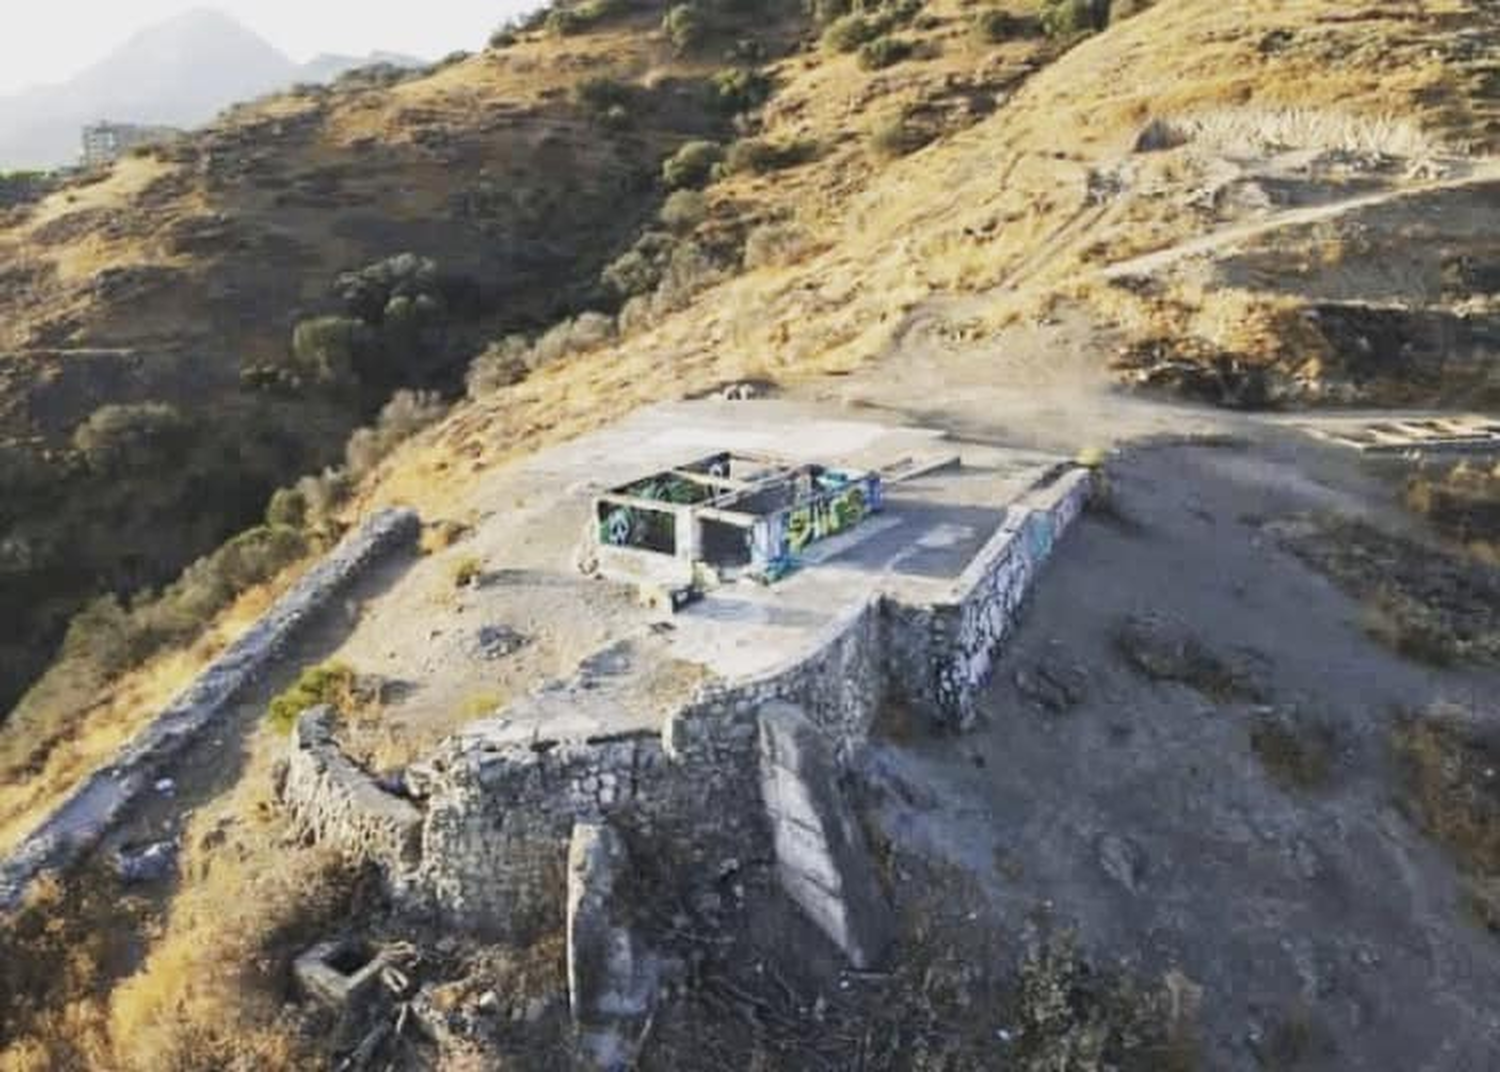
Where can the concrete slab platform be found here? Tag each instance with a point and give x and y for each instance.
(533, 516)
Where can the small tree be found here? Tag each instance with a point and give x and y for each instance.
(131, 436)
(601, 95)
(883, 52)
(691, 165)
(739, 89)
(1069, 18)
(993, 26)
(849, 32)
(326, 349)
(683, 210)
(685, 26)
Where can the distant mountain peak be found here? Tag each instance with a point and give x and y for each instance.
(179, 72)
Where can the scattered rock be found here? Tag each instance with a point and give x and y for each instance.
(1168, 651)
(498, 641)
(1053, 683)
(151, 863)
(1122, 860)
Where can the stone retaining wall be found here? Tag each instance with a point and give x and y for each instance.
(498, 816)
(941, 654)
(333, 800)
(98, 802)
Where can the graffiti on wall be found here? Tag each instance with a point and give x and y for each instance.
(825, 517)
(626, 526)
(837, 505)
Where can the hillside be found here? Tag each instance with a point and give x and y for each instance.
(948, 214)
(1318, 233)
(178, 280)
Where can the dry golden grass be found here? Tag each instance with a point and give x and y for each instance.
(212, 988)
(1448, 770)
(43, 756)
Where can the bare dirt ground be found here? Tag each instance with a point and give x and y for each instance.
(1324, 929)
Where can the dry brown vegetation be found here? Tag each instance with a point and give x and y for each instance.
(1297, 753)
(1448, 763)
(212, 989)
(1462, 502)
(1420, 600)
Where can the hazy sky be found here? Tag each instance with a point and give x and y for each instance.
(49, 40)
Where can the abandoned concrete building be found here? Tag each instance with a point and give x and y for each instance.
(104, 143)
(727, 516)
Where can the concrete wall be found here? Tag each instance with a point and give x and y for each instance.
(100, 799)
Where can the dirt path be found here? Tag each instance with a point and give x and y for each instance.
(1228, 237)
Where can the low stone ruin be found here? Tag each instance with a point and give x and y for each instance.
(509, 835)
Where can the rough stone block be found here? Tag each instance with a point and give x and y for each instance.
(612, 980)
(821, 856)
(340, 973)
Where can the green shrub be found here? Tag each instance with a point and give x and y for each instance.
(759, 156)
(739, 89)
(685, 26)
(691, 165)
(896, 136)
(503, 38)
(288, 507)
(775, 245)
(683, 210)
(108, 635)
(329, 683)
(630, 274)
(502, 364)
(406, 414)
(564, 22)
(326, 349)
(131, 436)
(1069, 18)
(883, 52)
(994, 26)
(824, 12)
(467, 571)
(849, 32)
(601, 94)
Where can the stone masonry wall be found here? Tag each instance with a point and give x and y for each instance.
(498, 819)
(76, 825)
(941, 654)
(333, 800)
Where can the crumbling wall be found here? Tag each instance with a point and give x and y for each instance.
(333, 800)
(100, 799)
(495, 836)
(840, 683)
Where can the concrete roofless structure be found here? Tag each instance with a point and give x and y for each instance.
(728, 515)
